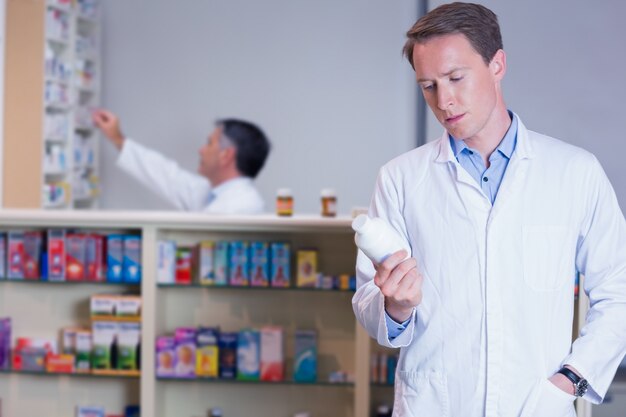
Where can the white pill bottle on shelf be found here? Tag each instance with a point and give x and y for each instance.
(376, 238)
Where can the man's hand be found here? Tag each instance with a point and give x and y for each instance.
(401, 284)
(109, 124)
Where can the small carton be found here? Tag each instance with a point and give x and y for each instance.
(69, 340)
(83, 350)
(166, 262)
(183, 265)
(307, 268)
(280, 273)
(185, 338)
(128, 341)
(165, 356)
(5, 342)
(221, 263)
(305, 359)
(90, 411)
(238, 265)
(94, 257)
(56, 255)
(128, 306)
(103, 305)
(207, 353)
(15, 257)
(131, 265)
(115, 258)
(228, 355)
(32, 253)
(259, 264)
(75, 257)
(60, 363)
(249, 355)
(272, 354)
(30, 353)
(3, 255)
(203, 262)
(104, 337)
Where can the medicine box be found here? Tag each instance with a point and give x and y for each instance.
(128, 306)
(238, 265)
(221, 263)
(75, 257)
(228, 355)
(132, 259)
(56, 255)
(90, 411)
(166, 262)
(104, 336)
(165, 356)
(32, 253)
(60, 363)
(305, 359)
(272, 354)
(128, 338)
(259, 264)
(207, 353)
(183, 265)
(3, 255)
(94, 258)
(249, 355)
(307, 268)
(185, 338)
(203, 262)
(83, 350)
(103, 305)
(115, 258)
(5, 342)
(15, 257)
(280, 272)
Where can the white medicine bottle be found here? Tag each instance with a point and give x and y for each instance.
(376, 238)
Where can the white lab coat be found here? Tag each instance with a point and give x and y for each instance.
(498, 294)
(187, 190)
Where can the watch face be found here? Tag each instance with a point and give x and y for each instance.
(581, 387)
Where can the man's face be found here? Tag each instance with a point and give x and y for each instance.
(210, 153)
(460, 89)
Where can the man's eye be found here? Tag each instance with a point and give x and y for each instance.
(427, 87)
(455, 79)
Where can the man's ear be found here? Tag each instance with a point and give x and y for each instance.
(228, 155)
(498, 64)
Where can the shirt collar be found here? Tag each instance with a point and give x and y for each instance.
(506, 146)
(230, 184)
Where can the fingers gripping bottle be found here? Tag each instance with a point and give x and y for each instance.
(376, 238)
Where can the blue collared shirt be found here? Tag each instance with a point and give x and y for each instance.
(488, 179)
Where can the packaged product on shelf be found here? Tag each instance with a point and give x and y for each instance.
(68, 337)
(305, 359)
(207, 353)
(5, 342)
(3, 255)
(166, 262)
(128, 306)
(165, 356)
(307, 268)
(132, 411)
(15, 258)
(90, 411)
(56, 255)
(132, 259)
(374, 369)
(30, 353)
(259, 264)
(238, 265)
(103, 305)
(115, 258)
(280, 274)
(392, 363)
(94, 257)
(183, 265)
(344, 282)
(60, 363)
(185, 338)
(325, 282)
(83, 350)
(228, 355)
(75, 257)
(249, 355)
(382, 373)
(128, 342)
(202, 262)
(272, 354)
(104, 336)
(32, 253)
(221, 263)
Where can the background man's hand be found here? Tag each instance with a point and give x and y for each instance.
(109, 124)
(401, 284)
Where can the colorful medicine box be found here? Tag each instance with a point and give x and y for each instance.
(90, 411)
(166, 262)
(128, 338)
(249, 355)
(183, 265)
(75, 257)
(203, 262)
(94, 258)
(228, 355)
(32, 254)
(3, 255)
(185, 338)
(15, 257)
(115, 258)
(272, 354)
(83, 350)
(221, 263)
(238, 266)
(280, 273)
(103, 305)
(56, 255)
(165, 356)
(104, 335)
(307, 268)
(128, 306)
(131, 266)
(5, 342)
(305, 359)
(207, 353)
(259, 264)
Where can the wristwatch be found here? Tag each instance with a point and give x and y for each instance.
(580, 384)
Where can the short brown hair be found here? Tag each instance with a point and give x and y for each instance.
(478, 24)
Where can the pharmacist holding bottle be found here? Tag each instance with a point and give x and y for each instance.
(231, 158)
(497, 220)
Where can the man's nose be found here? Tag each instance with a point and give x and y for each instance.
(445, 98)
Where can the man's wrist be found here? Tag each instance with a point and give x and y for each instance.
(398, 314)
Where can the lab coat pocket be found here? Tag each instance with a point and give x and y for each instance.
(546, 257)
(421, 394)
(552, 402)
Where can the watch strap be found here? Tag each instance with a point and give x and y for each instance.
(569, 374)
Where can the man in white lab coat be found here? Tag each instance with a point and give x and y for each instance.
(498, 220)
(231, 158)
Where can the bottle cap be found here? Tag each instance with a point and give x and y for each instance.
(284, 192)
(360, 223)
(328, 192)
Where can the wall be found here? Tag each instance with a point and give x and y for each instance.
(565, 76)
(325, 79)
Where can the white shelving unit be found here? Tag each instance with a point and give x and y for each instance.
(342, 344)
